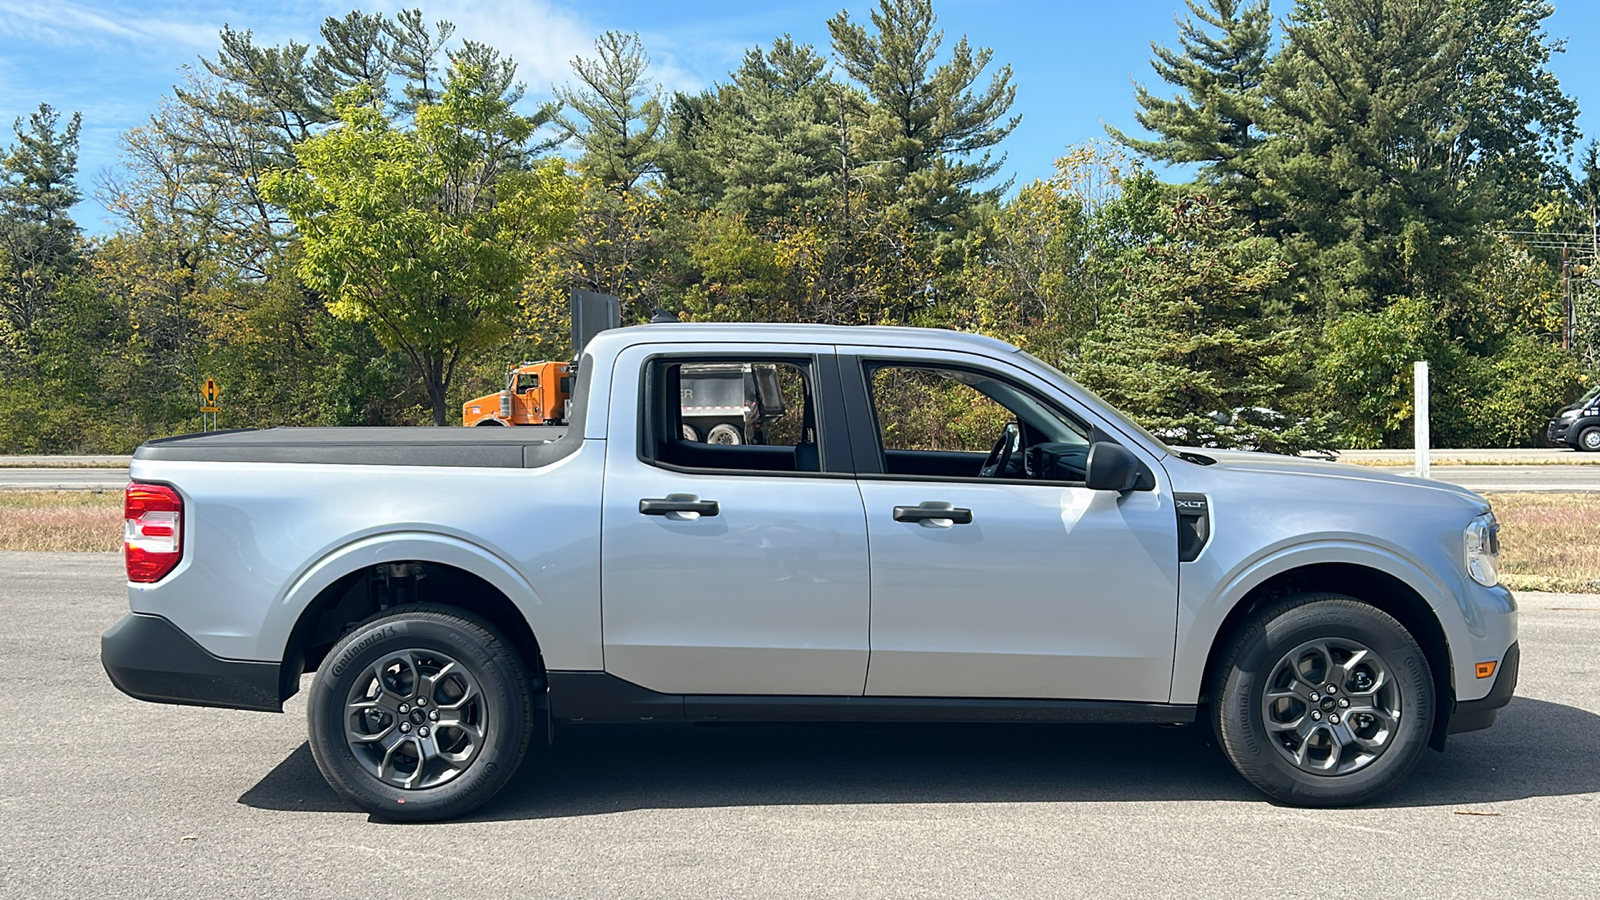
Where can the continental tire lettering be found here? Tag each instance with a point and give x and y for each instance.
(356, 649)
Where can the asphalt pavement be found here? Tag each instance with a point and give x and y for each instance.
(111, 797)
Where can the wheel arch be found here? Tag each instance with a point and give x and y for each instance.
(1381, 589)
(389, 570)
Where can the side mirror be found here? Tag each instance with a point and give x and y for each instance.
(1113, 468)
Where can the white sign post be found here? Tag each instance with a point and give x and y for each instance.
(1419, 406)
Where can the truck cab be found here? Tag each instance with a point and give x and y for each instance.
(536, 393)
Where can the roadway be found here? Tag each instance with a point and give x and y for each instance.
(109, 796)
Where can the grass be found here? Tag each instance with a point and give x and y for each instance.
(1549, 542)
(60, 520)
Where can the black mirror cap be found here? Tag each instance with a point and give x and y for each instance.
(1112, 468)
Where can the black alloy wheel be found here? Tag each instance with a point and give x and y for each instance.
(420, 713)
(1323, 700)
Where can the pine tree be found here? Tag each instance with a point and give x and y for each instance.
(1366, 121)
(1516, 125)
(1199, 352)
(932, 131)
(1216, 119)
(763, 146)
(38, 238)
(616, 113)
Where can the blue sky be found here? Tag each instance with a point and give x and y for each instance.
(1075, 61)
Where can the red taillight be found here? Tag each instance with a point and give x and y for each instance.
(152, 531)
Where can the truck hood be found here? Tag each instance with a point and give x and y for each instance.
(1270, 464)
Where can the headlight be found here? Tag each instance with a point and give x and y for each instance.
(1569, 414)
(1481, 541)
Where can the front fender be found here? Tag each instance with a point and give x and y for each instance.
(1202, 612)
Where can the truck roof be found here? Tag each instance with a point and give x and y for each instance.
(613, 340)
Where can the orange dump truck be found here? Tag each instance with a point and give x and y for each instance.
(536, 393)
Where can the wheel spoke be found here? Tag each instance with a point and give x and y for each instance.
(1298, 689)
(360, 737)
(1293, 725)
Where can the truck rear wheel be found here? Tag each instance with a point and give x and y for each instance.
(420, 713)
(724, 434)
(1323, 701)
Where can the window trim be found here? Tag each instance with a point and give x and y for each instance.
(870, 460)
(833, 444)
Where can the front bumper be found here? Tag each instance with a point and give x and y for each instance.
(1475, 715)
(1556, 431)
(149, 658)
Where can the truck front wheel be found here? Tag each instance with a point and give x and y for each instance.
(420, 713)
(1589, 439)
(1323, 701)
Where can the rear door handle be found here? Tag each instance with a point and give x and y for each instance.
(955, 516)
(667, 505)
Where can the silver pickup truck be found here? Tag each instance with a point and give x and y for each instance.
(941, 528)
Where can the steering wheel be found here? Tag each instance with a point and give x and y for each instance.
(995, 465)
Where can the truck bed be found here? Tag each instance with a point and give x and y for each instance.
(499, 448)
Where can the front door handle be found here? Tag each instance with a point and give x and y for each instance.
(955, 516)
(679, 504)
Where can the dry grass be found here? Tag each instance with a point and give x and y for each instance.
(60, 520)
(1549, 542)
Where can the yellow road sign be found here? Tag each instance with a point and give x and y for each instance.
(210, 409)
(210, 390)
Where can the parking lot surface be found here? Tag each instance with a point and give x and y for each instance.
(105, 796)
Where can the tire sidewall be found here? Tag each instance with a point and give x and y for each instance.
(1244, 733)
(489, 661)
(1584, 437)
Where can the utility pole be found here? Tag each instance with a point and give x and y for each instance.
(1568, 317)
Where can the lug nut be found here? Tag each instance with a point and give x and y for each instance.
(405, 726)
(1343, 703)
(1314, 698)
(1316, 716)
(422, 701)
(1333, 718)
(423, 731)
(434, 715)
(1333, 689)
(404, 709)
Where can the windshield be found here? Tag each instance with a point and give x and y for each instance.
(1105, 408)
(1591, 396)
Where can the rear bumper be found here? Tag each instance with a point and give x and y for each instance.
(1474, 715)
(149, 658)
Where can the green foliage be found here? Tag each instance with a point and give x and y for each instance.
(1494, 399)
(1199, 337)
(1362, 153)
(424, 235)
(766, 146)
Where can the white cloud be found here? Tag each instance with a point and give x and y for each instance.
(66, 23)
(541, 36)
